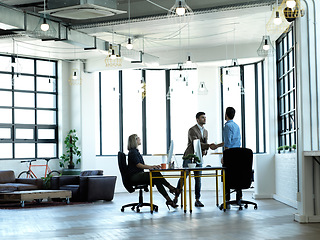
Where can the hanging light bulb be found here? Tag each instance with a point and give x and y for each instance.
(202, 90)
(44, 26)
(189, 62)
(266, 46)
(113, 55)
(277, 20)
(291, 3)
(74, 75)
(13, 62)
(129, 45)
(180, 10)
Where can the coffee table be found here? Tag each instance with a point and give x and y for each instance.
(31, 195)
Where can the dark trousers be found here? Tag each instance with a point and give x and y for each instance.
(144, 178)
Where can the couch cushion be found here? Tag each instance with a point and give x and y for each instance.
(7, 176)
(23, 186)
(91, 173)
(7, 188)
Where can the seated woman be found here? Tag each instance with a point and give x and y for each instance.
(136, 168)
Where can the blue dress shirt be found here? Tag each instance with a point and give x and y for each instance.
(231, 135)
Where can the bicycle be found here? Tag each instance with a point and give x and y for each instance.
(30, 174)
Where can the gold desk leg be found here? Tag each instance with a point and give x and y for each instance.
(184, 191)
(151, 202)
(217, 188)
(224, 190)
(190, 200)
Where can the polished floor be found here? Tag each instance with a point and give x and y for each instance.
(104, 220)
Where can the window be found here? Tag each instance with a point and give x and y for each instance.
(243, 89)
(28, 108)
(286, 84)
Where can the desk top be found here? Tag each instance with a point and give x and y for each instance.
(311, 153)
(186, 169)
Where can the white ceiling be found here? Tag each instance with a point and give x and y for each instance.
(213, 28)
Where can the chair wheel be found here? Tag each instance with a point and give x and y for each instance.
(122, 209)
(138, 209)
(133, 208)
(246, 206)
(255, 207)
(156, 209)
(240, 208)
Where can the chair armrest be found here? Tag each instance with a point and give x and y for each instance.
(101, 188)
(34, 181)
(58, 181)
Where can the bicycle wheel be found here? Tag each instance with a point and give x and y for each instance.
(25, 174)
(54, 173)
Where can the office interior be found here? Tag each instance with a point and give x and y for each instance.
(215, 36)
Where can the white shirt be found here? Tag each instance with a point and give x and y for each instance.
(201, 129)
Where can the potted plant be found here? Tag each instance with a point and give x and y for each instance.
(72, 150)
(294, 147)
(286, 148)
(280, 148)
(193, 159)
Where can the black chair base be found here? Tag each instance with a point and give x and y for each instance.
(137, 206)
(241, 203)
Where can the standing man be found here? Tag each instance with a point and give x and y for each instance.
(197, 132)
(231, 137)
(231, 131)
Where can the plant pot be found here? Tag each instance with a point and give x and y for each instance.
(71, 166)
(192, 165)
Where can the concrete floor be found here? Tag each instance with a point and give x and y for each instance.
(104, 220)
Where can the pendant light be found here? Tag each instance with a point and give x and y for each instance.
(266, 47)
(180, 9)
(129, 44)
(277, 20)
(44, 26)
(291, 3)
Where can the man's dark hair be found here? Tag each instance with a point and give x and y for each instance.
(230, 111)
(199, 114)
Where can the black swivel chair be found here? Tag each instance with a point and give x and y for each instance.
(131, 187)
(239, 174)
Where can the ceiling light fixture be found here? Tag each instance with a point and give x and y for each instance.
(291, 3)
(74, 75)
(44, 26)
(202, 90)
(180, 9)
(189, 62)
(266, 47)
(277, 20)
(129, 45)
(113, 55)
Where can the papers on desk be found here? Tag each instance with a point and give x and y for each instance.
(197, 149)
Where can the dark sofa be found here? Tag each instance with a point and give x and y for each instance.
(9, 183)
(89, 186)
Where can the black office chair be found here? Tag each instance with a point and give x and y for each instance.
(238, 163)
(131, 187)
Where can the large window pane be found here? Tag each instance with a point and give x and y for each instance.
(250, 107)
(24, 116)
(5, 81)
(46, 117)
(25, 65)
(183, 93)
(46, 150)
(156, 112)
(5, 115)
(6, 99)
(24, 83)
(5, 63)
(110, 112)
(5, 133)
(45, 68)
(46, 134)
(132, 105)
(24, 133)
(25, 150)
(46, 101)
(6, 150)
(46, 84)
(24, 100)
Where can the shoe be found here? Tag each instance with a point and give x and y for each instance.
(175, 191)
(198, 204)
(172, 204)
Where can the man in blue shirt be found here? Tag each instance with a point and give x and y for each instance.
(231, 131)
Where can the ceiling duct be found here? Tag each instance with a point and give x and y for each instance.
(82, 9)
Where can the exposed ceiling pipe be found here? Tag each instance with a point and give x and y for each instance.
(23, 23)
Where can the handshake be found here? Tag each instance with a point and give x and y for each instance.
(213, 146)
